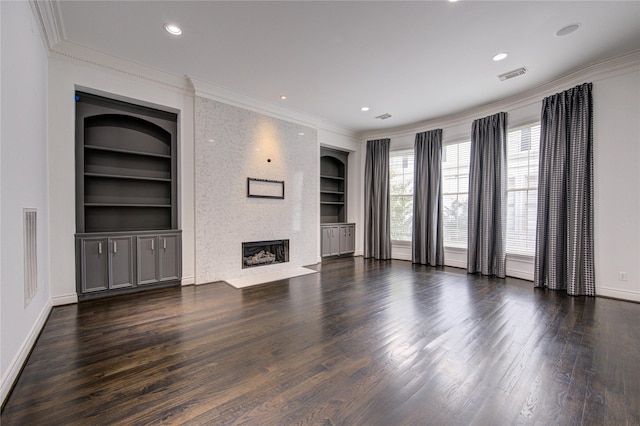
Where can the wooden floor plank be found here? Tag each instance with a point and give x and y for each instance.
(363, 342)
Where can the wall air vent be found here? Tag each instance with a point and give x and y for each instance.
(511, 74)
(384, 116)
(30, 254)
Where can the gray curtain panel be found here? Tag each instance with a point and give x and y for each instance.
(488, 196)
(427, 238)
(564, 234)
(377, 212)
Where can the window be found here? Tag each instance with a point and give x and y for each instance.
(455, 188)
(401, 194)
(523, 146)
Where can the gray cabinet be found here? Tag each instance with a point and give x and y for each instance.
(338, 239)
(158, 258)
(106, 263)
(124, 262)
(126, 197)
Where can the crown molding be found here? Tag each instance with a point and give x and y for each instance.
(76, 53)
(211, 91)
(596, 72)
(346, 133)
(47, 14)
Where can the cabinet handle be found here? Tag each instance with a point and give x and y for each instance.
(100, 248)
(115, 247)
(164, 243)
(152, 245)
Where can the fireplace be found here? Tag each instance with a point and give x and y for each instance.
(261, 253)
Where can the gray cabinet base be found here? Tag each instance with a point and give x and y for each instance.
(338, 239)
(109, 264)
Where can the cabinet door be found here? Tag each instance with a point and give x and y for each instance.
(347, 240)
(342, 232)
(351, 239)
(335, 240)
(326, 241)
(147, 259)
(121, 262)
(95, 264)
(169, 257)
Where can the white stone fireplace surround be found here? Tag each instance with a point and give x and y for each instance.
(231, 145)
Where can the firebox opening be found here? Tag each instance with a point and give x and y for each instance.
(260, 253)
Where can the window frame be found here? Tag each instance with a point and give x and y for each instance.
(456, 141)
(398, 152)
(520, 256)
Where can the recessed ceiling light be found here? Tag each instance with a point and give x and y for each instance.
(283, 97)
(500, 56)
(567, 30)
(365, 109)
(452, 1)
(173, 29)
(300, 133)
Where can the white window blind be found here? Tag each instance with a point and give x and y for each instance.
(455, 188)
(401, 194)
(523, 147)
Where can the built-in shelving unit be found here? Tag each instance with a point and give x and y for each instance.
(338, 237)
(126, 166)
(126, 181)
(333, 195)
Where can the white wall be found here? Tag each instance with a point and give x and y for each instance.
(616, 93)
(233, 144)
(23, 181)
(65, 76)
(617, 179)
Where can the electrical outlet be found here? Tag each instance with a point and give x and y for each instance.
(622, 276)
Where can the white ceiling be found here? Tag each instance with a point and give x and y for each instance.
(415, 60)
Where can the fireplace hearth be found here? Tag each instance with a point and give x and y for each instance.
(261, 253)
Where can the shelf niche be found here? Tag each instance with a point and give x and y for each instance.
(125, 166)
(333, 186)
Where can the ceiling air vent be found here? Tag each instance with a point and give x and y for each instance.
(511, 74)
(384, 116)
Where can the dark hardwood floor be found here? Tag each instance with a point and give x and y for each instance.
(361, 343)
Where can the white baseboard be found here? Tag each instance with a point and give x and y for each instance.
(401, 256)
(455, 264)
(21, 357)
(188, 281)
(523, 275)
(64, 299)
(618, 294)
